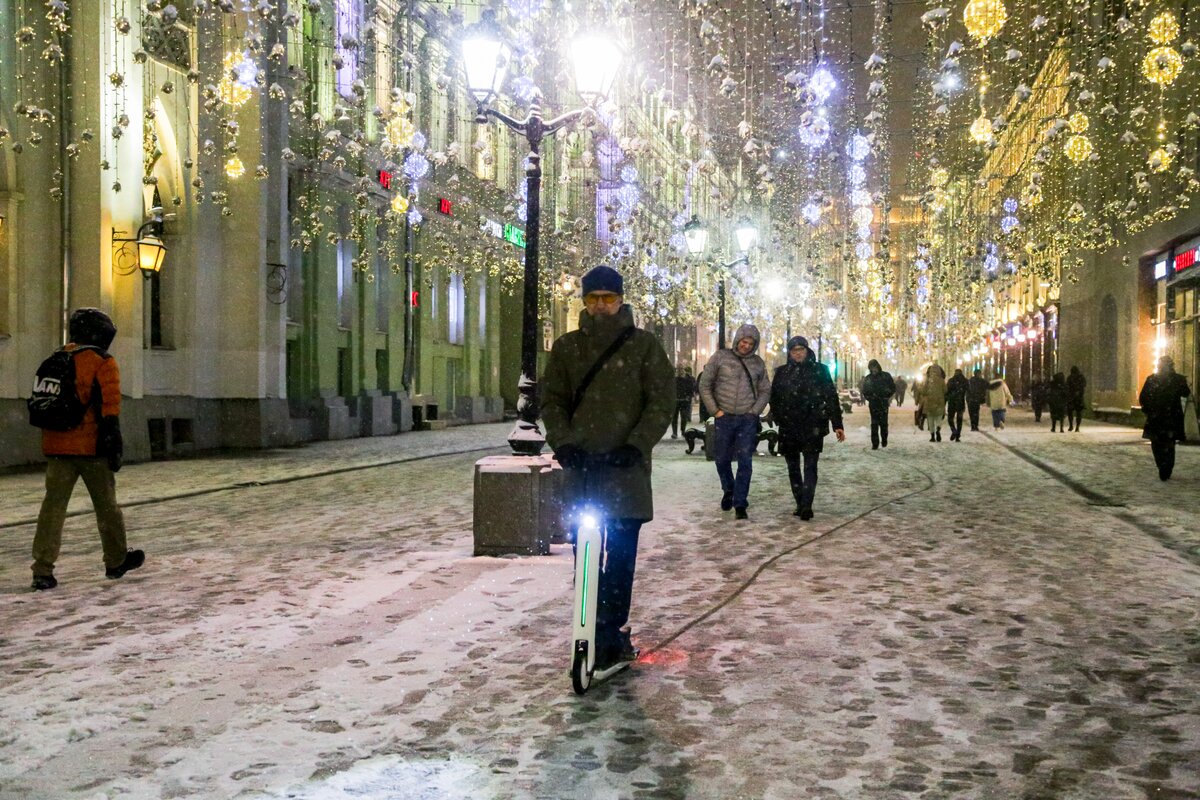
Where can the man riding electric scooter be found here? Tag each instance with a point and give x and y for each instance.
(608, 396)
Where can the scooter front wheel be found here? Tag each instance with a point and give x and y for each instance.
(580, 678)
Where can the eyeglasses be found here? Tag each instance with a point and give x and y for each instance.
(607, 299)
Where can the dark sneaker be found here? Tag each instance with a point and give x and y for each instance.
(133, 560)
(726, 501)
(43, 582)
(806, 514)
(740, 513)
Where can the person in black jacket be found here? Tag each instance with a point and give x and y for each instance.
(877, 389)
(1037, 397)
(956, 402)
(685, 390)
(804, 404)
(1076, 384)
(1162, 402)
(1056, 399)
(977, 390)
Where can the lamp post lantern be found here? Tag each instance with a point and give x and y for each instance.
(696, 237)
(485, 61)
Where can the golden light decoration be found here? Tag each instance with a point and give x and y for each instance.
(234, 168)
(1159, 160)
(984, 18)
(1164, 29)
(1078, 148)
(1079, 122)
(231, 91)
(939, 177)
(399, 131)
(1162, 65)
(399, 204)
(981, 130)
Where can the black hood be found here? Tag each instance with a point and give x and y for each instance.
(995, 384)
(91, 326)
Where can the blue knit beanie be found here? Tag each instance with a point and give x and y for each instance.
(603, 279)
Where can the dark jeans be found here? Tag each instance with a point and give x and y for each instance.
(998, 415)
(804, 483)
(1074, 416)
(879, 423)
(973, 412)
(617, 564)
(681, 417)
(1163, 448)
(735, 436)
(955, 417)
(1037, 411)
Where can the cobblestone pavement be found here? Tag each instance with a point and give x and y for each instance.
(1012, 616)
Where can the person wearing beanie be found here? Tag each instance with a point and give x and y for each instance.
(603, 434)
(92, 450)
(877, 389)
(735, 387)
(804, 404)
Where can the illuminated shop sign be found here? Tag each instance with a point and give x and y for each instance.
(514, 235)
(385, 179)
(1185, 255)
(1160, 269)
(508, 232)
(444, 206)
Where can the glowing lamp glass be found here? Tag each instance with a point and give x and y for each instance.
(485, 60)
(596, 60)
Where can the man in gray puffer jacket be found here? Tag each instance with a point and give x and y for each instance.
(736, 388)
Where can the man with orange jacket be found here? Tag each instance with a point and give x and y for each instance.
(92, 450)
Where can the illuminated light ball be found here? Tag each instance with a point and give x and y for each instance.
(816, 133)
(860, 197)
(984, 18)
(235, 91)
(822, 84)
(864, 232)
(1163, 28)
(1078, 148)
(811, 213)
(662, 311)
(939, 178)
(863, 216)
(1010, 205)
(981, 130)
(234, 168)
(859, 147)
(858, 175)
(864, 251)
(1078, 122)
(1159, 161)
(629, 174)
(1162, 65)
(399, 131)
(650, 270)
(1009, 224)
(399, 204)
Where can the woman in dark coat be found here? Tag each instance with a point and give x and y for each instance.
(804, 404)
(1056, 399)
(1162, 403)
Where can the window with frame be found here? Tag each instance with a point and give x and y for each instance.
(347, 14)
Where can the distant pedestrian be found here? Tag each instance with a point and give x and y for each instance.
(685, 391)
(1162, 399)
(901, 389)
(919, 413)
(91, 448)
(878, 389)
(736, 388)
(1056, 400)
(977, 395)
(956, 403)
(603, 432)
(804, 404)
(1037, 397)
(933, 400)
(1076, 384)
(999, 399)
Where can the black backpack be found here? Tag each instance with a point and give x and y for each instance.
(54, 404)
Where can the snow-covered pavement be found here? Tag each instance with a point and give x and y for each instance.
(1012, 616)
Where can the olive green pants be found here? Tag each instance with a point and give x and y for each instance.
(61, 474)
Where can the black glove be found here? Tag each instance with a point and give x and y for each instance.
(109, 443)
(625, 456)
(571, 456)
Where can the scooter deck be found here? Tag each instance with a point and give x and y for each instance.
(601, 674)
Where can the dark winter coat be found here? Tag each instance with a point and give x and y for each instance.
(901, 389)
(630, 401)
(804, 404)
(1056, 396)
(878, 389)
(724, 384)
(1162, 403)
(685, 388)
(1076, 384)
(1039, 392)
(977, 390)
(956, 392)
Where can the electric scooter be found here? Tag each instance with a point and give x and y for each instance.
(589, 545)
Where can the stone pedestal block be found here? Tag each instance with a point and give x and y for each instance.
(518, 505)
(402, 412)
(376, 413)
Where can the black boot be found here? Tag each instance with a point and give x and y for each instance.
(726, 501)
(133, 560)
(43, 582)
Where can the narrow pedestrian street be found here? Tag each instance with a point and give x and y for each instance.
(1012, 616)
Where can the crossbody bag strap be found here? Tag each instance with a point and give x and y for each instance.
(749, 377)
(623, 337)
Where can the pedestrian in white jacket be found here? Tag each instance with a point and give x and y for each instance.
(999, 399)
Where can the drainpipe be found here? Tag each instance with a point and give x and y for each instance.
(410, 341)
(64, 203)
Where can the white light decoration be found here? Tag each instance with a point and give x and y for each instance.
(596, 61)
(746, 235)
(696, 236)
(822, 84)
(859, 147)
(811, 213)
(485, 59)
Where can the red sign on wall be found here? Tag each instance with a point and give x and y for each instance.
(385, 179)
(444, 206)
(412, 300)
(1185, 259)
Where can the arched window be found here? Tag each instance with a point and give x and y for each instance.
(1107, 353)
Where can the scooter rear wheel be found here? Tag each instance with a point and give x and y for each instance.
(580, 679)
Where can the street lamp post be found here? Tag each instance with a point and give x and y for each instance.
(696, 237)
(485, 59)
